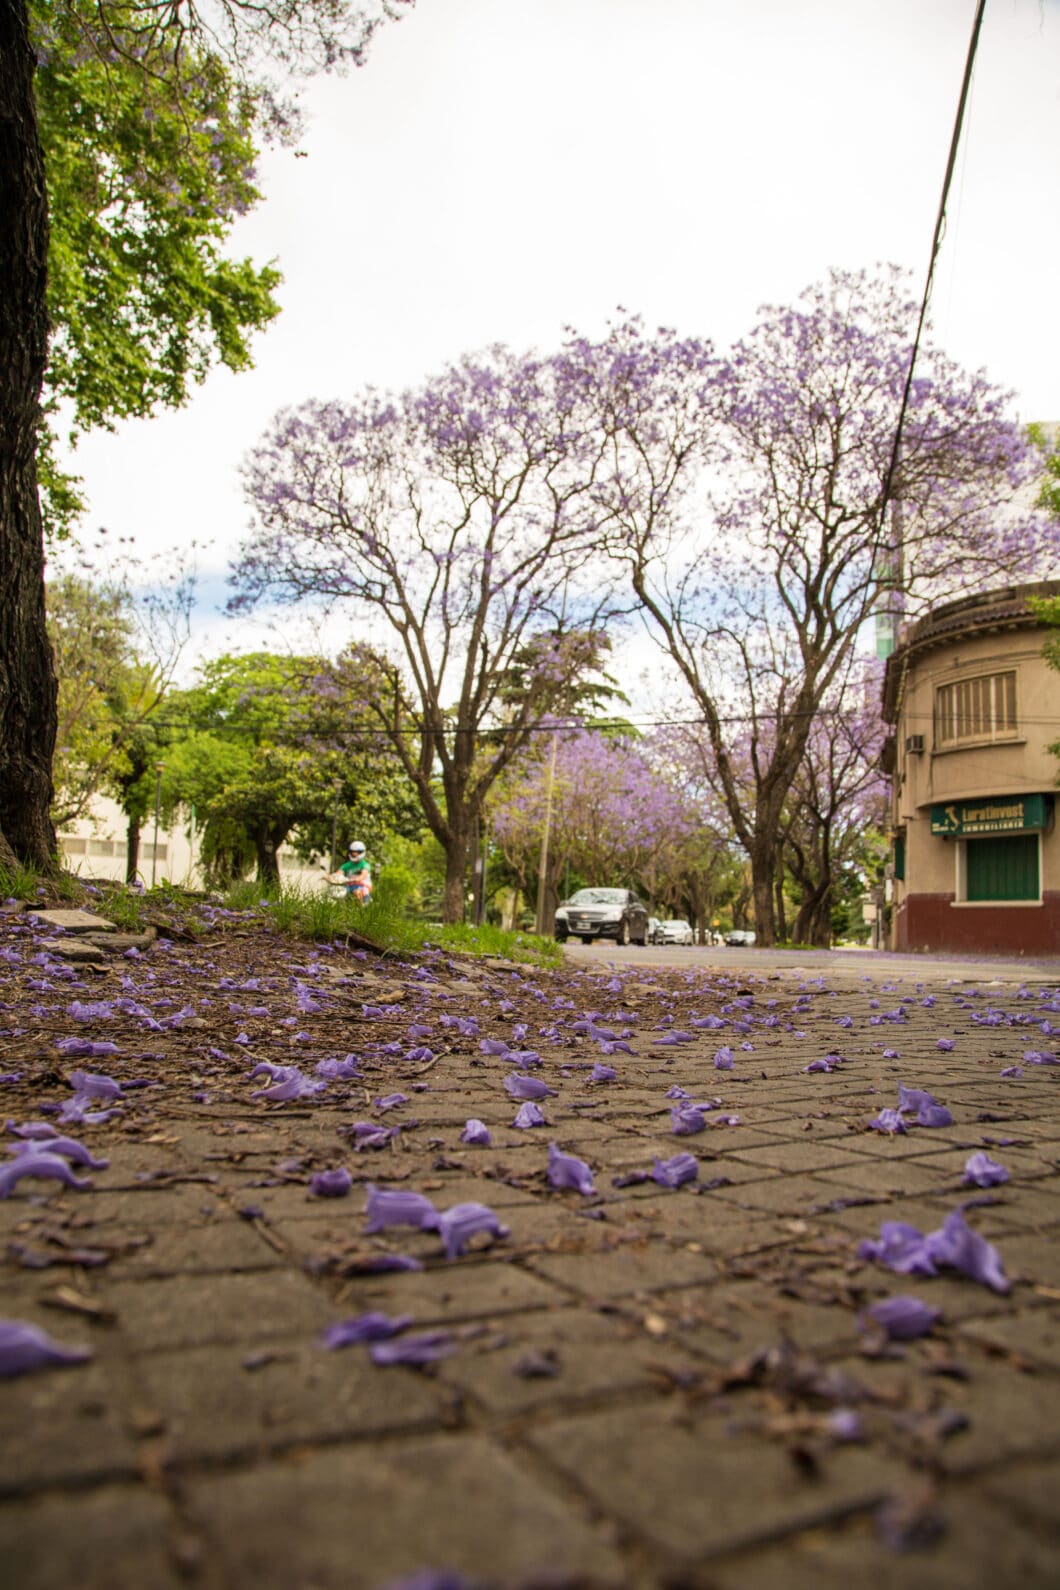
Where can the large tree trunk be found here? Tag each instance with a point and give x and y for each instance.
(763, 867)
(456, 857)
(266, 854)
(27, 677)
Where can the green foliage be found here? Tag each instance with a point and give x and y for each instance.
(147, 167)
(1049, 495)
(264, 744)
(107, 693)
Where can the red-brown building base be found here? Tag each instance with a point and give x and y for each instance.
(933, 922)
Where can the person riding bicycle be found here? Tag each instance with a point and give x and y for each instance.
(356, 874)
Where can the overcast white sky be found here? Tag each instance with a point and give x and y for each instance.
(503, 168)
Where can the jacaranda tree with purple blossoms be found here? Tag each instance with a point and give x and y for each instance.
(746, 500)
(615, 817)
(459, 520)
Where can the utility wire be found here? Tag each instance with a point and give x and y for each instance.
(936, 244)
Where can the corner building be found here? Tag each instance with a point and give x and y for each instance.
(974, 708)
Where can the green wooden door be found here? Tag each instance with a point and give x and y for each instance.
(1003, 868)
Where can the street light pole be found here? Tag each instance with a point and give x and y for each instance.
(159, 769)
(542, 871)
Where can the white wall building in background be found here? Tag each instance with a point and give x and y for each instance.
(95, 847)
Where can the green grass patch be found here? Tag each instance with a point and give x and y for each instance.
(319, 915)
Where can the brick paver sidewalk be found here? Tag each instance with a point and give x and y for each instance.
(647, 1386)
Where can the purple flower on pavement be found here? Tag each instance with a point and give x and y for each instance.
(956, 1246)
(710, 1022)
(845, 1424)
(602, 1073)
(390, 1101)
(891, 1054)
(85, 1049)
(67, 1147)
(331, 1183)
(523, 1058)
(904, 1318)
(32, 1129)
(25, 1348)
(371, 1327)
(94, 1086)
(566, 1170)
(477, 1133)
(828, 1062)
(424, 1347)
(982, 1171)
(339, 1070)
(288, 1083)
(723, 1059)
(369, 1134)
(901, 1247)
(456, 1226)
(675, 1172)
(419, 1030)
(396, 1207)
(38, 1163)
(528, 1088)
(76, 1112)
(933, 1115)
(1011, 1071)
(685, 1120)
(945, 1044)
(528, 1115)
(494, 1046)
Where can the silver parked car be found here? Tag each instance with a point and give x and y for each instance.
(674, 931)
(603, 914)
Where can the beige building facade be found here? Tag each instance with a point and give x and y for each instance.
(974, 708)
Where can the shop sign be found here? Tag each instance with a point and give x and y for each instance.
(1002, 814)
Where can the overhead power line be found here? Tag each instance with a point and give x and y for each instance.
(936, 244)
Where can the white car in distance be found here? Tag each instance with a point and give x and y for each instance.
(674, 931)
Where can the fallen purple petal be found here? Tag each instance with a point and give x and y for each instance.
(888, 1121)
(686, 1120)
(388, 1206)
(457, 1226)
(425, 1347)
(528, 1115)
(371, 1327)
(565, 1170)
(39, 1164)
(94, 1086)
(331, 1183)
(25, 1348)
(677, 1171)
(904, 1318)
(982, 1171)
(476, 1133)
(67, 1147)
(723, 1059)
(528, 1088)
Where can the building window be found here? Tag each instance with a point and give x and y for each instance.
(74, 846)
(1005, 868)
(981, 708)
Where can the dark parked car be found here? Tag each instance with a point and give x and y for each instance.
(603, 914)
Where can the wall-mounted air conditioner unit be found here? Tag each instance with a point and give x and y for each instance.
(914, 744)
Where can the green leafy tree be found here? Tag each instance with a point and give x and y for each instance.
(127, 127)
(115, 656)
(264, 744)
(145, 178)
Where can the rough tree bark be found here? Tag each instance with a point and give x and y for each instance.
(27, 677)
